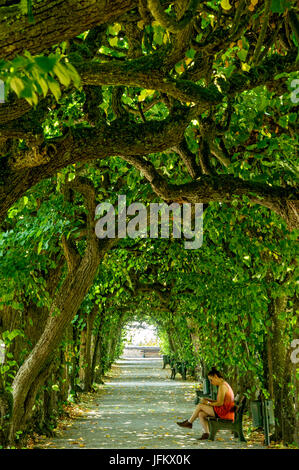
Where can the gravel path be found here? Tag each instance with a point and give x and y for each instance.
(138, 410)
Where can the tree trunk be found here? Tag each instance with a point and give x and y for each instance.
(95, 356)
(65, 305)
(295, 376)
(97, 349)
(172, 343)
(74, 361)
(86, 356)
(114, 339)
(55, 21)
(6, 401)
(283, 400)
(88, 348)
(82, 356)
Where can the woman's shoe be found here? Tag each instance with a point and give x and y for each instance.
(203, 437)
(185, 424)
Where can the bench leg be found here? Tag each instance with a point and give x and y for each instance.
(241, 435)
(213, 431)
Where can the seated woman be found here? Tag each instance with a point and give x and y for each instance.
(221, 408)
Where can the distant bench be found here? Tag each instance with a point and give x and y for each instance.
(166, 360)
(177, 367)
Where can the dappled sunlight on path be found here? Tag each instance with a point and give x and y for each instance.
(138, 410)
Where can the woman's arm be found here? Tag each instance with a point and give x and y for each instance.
(220, 397)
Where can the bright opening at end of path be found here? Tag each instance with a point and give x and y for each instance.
(141, 334)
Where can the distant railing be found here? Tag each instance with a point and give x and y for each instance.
(141, 351)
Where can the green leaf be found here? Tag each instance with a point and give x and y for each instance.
(62, 74)
(17, 85)
(114, 29)
(279, 6)
(73, 74)
(190, 53)
(113, 41)
(43, 84)
(19, 62)
(46, 64)
(144, 94)
(242, 54)
(54, 87)
(39, 247)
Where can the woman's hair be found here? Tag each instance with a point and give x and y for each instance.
(214, 371)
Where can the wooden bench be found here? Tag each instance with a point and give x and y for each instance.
(178, 367)
(235, 426)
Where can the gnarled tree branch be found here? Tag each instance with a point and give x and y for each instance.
(222, 188)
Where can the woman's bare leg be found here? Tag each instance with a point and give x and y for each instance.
(207, 409)
(202, 417)
(201, 411)
(195, 413)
